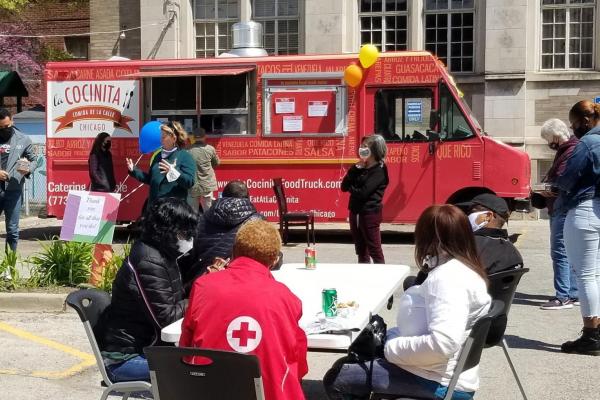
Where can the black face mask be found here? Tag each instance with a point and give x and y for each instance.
(6, 133)
(106, 146)
(553, 146)
(580, 131)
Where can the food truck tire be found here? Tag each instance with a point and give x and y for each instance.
(466, 194)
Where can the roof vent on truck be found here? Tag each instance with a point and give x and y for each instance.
(247, 40)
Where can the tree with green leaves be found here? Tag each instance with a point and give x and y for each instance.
(13, 5)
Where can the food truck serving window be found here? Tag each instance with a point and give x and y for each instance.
(304, 105)
(224, 104)
(217, 103)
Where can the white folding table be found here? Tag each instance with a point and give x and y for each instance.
(369, 285)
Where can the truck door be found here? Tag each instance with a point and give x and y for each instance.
(459, 150)
(402, 118)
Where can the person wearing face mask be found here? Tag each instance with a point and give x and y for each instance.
(487, 215)
(579, 197)
(556, 133)
(16, 163)
(216, 230)
(433, 320)
(102, 174)
(147, 293)
(244, 309)
(173, 172)
(366, 182)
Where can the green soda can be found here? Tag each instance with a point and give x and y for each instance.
(329, 302)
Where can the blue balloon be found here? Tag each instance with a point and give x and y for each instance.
(150, 137)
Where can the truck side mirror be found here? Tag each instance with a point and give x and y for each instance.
(434, 118)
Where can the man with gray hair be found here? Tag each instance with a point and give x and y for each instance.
(556, 133)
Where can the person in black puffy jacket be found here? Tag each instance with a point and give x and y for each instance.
(216, 230)
(147, 293)
(366, 182)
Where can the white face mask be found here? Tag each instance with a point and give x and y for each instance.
(185, 245)
(473, 218)
(364, 152)
(430, 262)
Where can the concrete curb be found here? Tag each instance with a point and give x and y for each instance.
(32, 302)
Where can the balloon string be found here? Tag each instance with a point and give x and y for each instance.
(132, 192)
(135, 165)
(342, 171)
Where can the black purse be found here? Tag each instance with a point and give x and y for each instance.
(369, 343)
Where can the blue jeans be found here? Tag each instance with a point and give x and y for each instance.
(134, 369)
(582, 240)
(347, 380)
(565, 282)
(10, 204)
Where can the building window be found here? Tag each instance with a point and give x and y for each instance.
(384, 24)
(78, 47)
(214, 19)
(280, 21)
(568, 34)
(449, 32)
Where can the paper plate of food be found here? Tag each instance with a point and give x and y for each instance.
(346, 308)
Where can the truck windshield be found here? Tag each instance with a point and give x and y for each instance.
(471, 115)
(453, 124)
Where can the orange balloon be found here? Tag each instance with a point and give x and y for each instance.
(353, 75)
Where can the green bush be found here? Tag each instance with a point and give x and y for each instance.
(9, 275)
(62, 263)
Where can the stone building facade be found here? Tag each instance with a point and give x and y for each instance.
(519, 62)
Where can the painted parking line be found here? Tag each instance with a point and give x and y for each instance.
(86, 359)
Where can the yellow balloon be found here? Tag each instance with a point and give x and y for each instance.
(353, 75)
(368, 55)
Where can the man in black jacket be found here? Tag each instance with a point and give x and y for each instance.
(216, 231)
(487, 214)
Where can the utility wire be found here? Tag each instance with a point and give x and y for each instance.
(83, 34)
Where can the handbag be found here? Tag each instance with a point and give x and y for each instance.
(369, 343)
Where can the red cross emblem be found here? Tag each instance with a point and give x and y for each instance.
(244, 334)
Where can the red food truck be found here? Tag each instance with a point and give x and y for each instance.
(288, 116)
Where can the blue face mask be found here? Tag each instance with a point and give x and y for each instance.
(364, 153)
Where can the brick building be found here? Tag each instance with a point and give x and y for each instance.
(65, 18)
(518, 62)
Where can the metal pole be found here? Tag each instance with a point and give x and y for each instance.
(26, 198)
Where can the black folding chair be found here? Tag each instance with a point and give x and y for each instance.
(90, 304)
(470, 354)
(223, 375)
(503, 286)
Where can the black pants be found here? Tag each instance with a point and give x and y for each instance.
(367, 236)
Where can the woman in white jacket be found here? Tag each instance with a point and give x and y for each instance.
(434, 319)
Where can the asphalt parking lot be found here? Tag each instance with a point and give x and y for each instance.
(46, 355)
